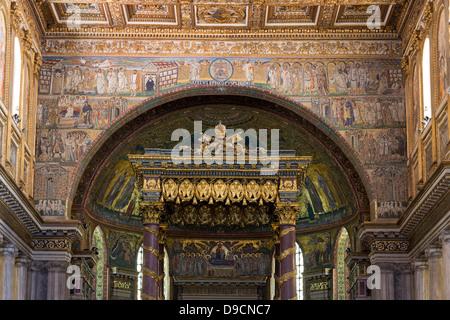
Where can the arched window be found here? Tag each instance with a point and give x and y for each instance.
(300, 268)
(340, 271)
(17, 69)
(2, 54)
(426, 79)
(25, 99)
(98, 241)
(139, 262)
(139, 269)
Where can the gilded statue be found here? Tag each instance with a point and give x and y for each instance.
(236, 191)
(186, 190)
(204, 215)
(170, 190)
(189, 214)
(203, 190)
(235, 214)
(252, 191)
(220, 190)
(269, 191)
(220, 215)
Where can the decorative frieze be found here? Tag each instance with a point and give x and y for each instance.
(51, 244)
(318, 286)
(224, 48)
(219, 190)
(390, 246)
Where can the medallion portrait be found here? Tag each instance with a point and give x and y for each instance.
(221, 70)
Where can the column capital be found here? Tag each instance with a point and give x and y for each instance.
(9, 249)
(57, 265)
(419, 263)
(445, 237)
(433, 250)
(37, 265)
(23, 260)
(151, 212)
(387, 266)
(287, 212)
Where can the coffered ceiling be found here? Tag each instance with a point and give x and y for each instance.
(170, 18)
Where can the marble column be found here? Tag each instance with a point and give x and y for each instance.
(8, 253)
(151, 214)
(386, 291)
(21, 277)
(35, 280)
(56, 280)
(288, 215)
(434, 256)
(402, 282)
(420, 267)
(445, 242)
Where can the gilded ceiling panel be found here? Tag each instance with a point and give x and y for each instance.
(291, 15)
(191, 18)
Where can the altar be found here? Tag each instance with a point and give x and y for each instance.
(220, 288)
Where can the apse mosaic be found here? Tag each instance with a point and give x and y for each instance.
(326, 196)
(363, 99)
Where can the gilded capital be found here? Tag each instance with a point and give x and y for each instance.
(405, 66)
(151, 212)
(287, 212)
(37, 64)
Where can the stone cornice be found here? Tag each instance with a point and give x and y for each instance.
(35, 231)
(17, 202)
(435, 189)
(420, 17)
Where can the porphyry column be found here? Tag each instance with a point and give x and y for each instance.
(287, 214)
(151, 214)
